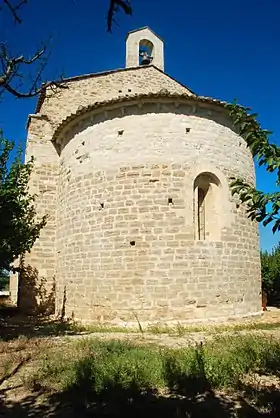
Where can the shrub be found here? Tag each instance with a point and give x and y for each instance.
(4, 279)
(95, 367)
(270, 263)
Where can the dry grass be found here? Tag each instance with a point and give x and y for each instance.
(269, 321)
(87, 371)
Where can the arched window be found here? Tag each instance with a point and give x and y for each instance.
(207, 206)
(201, 194)
(146, 49)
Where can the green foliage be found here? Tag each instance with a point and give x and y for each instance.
(96, 366)
(263, 207)
(4, 279)
(271, 273)
(102, 365)
(19, 228)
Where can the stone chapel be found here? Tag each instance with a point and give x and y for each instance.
(133, 170)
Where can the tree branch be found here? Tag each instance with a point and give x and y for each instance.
(10, 71)
(19, 95)
(35, 57)
(114, 7)
(262, 207)
(10, 65)
(14, 9)
(12, 74)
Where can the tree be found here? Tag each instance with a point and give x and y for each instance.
(19, 228)
(271, 273)
(262, 207)
(12, 68)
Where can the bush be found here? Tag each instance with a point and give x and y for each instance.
(270, 263)
(96, 367)
(4, 280)
(19, 224)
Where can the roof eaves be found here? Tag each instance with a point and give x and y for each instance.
(84, 109)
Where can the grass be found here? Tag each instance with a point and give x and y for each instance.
(13, 325)
(179, 330)
(98, 367)
(89, 377)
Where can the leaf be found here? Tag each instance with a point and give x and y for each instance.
(267, 155)
(19, 227)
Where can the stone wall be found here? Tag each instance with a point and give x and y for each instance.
(125, 238)
(119, 190)
(37, 282)
(83, 91)
(41, 262)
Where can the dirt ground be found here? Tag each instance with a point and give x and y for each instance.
(201, 334)
(22, 342)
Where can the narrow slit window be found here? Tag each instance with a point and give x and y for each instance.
(207, 207)
(201, 213)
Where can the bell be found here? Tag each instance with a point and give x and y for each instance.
(145, 58)
(146, 61)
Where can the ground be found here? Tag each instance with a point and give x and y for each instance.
(25, 340)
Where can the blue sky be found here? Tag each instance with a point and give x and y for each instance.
(221, 49)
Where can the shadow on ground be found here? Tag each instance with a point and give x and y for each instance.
(185, 396)
(14, 325)
(116, 401)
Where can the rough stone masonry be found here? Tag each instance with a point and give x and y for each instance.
(133, 170)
